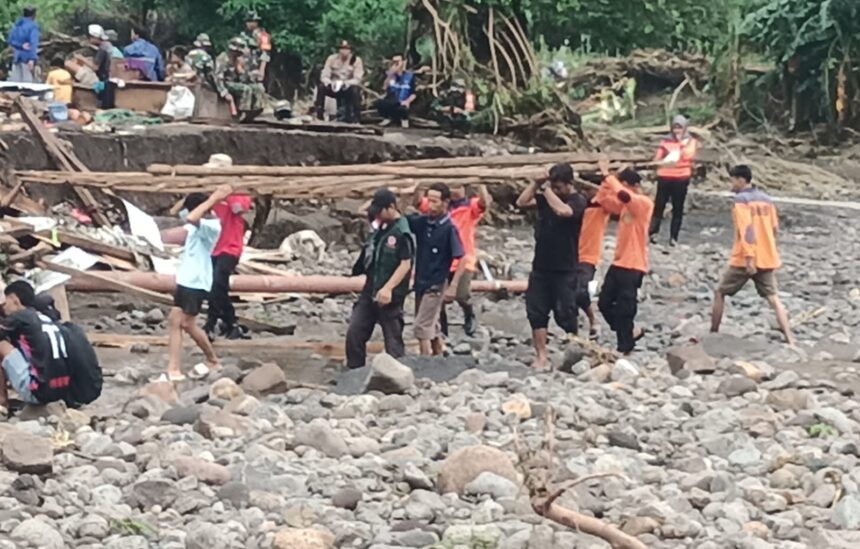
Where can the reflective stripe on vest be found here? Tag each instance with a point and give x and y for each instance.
(683, 169)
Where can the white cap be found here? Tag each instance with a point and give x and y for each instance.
(96, 31)
(219, 161)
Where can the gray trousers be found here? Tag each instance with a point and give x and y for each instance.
(366, 314)
(21, 72)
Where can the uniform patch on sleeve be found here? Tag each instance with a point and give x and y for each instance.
(391, 242)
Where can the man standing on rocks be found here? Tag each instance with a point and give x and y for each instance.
(754, 254)
(194, 279)
(225, 257)
(552, 283)
(438, 246)
(594, 222)
(386, 261)
(622, 195)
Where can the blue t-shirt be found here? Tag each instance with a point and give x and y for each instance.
(195, 265)
(438, 245)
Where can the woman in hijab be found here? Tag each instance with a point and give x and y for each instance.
(676, 155)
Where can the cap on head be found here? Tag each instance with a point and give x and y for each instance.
(203, 40)
(561, 173)
(382, 199)
(344, 45)
(219, 160)
(236, 44)
(252, 15)
(96, 31)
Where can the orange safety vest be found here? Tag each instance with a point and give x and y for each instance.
(683, 169)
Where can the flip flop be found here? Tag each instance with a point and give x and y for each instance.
(172, 379)
(199, 371)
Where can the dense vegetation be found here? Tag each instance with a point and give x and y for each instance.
(811, 45)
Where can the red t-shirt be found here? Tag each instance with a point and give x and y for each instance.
(232, 239)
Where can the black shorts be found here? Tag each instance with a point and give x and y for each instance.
(189, 300)
(552, 292)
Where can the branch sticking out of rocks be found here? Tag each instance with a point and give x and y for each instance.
(536, 464)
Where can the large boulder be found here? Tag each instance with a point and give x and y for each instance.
(268, 379)
(389, 376)
(25, 453)
(690, 358)
(467, 464)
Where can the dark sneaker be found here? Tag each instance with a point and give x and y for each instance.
(237, 333)
(470, 325)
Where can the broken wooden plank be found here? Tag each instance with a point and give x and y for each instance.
(95, 246)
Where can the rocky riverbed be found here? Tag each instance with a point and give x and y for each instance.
(728, 441)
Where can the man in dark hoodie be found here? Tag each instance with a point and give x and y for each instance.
(24, 41)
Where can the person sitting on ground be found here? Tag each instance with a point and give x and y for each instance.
(144, 56)
(386, 261)
(200, 60)
(754, 254)
(438, 245)
(33, 351)
(618, 302)
(399, 93)
(194, 278)
(61, 80)
(552, 282)
(454, 108)
(236, 83)
(113, 36)
(179, 72)
(24, 41)
(341, 78)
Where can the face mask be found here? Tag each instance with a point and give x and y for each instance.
(183, 214)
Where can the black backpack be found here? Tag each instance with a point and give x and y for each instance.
(84, 368)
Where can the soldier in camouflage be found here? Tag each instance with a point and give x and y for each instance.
(454, 107)
(236, 82)
(259, 43)
(200, 60)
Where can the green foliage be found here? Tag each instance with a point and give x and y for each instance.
(131, 527)
(821, 430)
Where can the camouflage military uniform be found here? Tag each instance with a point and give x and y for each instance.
(260, 46)
(202, 64)
(455, 97)
(236, 79)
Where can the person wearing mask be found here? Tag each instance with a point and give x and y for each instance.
(675, 157)
(105, 88)
(24, 41)
(754, 254)
(386, 261)
(225, 256)
(438, 245)
(61, 80)
(594, 221)
(33, 350)
(144, 56)
(552, 282)
(341, 78)
(194, 279)
(618, 301)
(399, 93)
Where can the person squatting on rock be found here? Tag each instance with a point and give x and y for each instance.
(594, 222)
(399, 93)
(194, 278)
(676, 155)
(552, 282)
(438, 245)
(225, 258)
(622, 195)
(754, 254)
(466, 213)
(386, 261)
(341, 79)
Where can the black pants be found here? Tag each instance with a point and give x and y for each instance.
(584, 275)
(348, 102)
(667, 190)
(618, 303)
(220, 306)
(107, 97)
(555, 292)
(392, 109)
(366, 314)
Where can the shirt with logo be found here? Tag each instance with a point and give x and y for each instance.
(756, 223)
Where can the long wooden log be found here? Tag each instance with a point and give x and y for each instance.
(159, 287)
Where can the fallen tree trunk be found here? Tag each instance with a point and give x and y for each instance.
(313, 284)
(589, 525)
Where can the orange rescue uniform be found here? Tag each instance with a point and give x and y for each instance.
(756, 224)
(634, 217)
(682, 170)
(594, 222)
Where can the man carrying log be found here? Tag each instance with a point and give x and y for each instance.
(194, 279)
(552, 282)
(225, 257)
(594, 222)
(386, 261)
(622, 195)
(754, 254)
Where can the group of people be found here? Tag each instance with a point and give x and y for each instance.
(438, 244)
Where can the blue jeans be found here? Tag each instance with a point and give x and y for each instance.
(17, 371)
